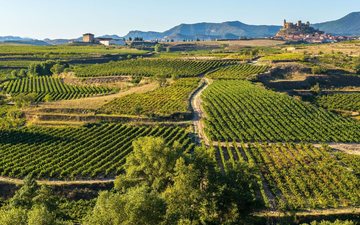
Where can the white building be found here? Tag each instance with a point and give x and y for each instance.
(110, 41)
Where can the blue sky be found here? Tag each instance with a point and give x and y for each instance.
(70, 18)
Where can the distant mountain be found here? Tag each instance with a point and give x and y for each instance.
(57, 41)
(20, 40)
(348, 25)
(226, 30)
(113, 36)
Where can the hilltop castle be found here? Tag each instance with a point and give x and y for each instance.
(291, 29)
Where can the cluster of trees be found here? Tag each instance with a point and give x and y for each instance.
(24, 99)
(31, 205)
(163, 185)
(19, 74)
(48, 67)
(10, 117)
(13, 118)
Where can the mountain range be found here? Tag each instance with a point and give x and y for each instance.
(348, 25)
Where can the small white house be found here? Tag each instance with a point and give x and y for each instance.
(110, 41)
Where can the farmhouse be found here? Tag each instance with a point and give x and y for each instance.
(88, 38)
(110, 41)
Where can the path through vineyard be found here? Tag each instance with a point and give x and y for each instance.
(195, 102)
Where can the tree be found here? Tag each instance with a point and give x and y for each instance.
(23, 198)
(158, 48)
(14, 73)
(57, 68)
(317, 70)
(13, 119)
(48, 98)
(161, 79)
(201, 193)
(138, 206)
(163, 185)
(150, 163)
(46, 198)
(13, 216)
(22, 73)
(23, 100)
(184, 198)
(45, 68)
(39, 215)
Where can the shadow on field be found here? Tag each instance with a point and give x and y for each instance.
(25, 137)
(325, 81)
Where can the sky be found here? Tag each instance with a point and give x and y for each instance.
(71, 18)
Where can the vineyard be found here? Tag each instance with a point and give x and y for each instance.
(299, 176)
(240, 71)
(284, 57)
(54, 87)
(350, 102)
(163, 101)
(145, 67)
(242, 111)
(97, 151)
(29, 51)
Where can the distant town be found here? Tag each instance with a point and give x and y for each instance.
(303, 32)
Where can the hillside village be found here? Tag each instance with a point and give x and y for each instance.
(303, 32)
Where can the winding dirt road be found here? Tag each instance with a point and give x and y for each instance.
(196, 105)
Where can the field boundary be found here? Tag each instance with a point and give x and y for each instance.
(56, 182)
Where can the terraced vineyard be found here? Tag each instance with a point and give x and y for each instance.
(146, 67)
(299, 176)
(350, 102)
(284, 57)
(163, 101)
(54, 87)
(97, 151)
(239, 71)
(242, 111)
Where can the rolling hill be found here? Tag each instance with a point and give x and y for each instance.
(348, 25)
(226, 30)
